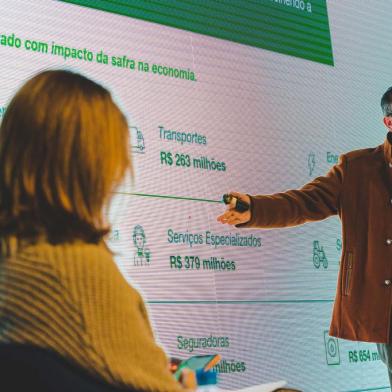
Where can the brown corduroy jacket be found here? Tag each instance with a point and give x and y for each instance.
(359, 190)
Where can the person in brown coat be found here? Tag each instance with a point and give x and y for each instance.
(359, 190)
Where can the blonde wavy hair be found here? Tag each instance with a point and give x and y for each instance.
(64, 147)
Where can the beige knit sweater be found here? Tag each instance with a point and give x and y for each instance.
(72, 298)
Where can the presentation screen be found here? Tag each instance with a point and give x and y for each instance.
(251, 96)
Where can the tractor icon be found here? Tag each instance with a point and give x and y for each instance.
(319, 256)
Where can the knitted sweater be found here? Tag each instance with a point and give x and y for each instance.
(72, 298)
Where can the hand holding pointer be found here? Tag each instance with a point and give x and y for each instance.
(238, 209)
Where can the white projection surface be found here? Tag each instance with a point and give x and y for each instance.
(240, 118)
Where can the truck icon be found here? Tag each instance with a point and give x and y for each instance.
(319, 256)
(137, 140)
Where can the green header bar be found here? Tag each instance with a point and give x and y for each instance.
(298, 28)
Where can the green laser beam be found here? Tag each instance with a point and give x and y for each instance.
(169, 197)
(237, 302)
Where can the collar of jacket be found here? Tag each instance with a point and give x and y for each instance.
(388, 149)
(388, 159)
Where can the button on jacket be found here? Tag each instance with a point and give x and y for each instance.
(359, 190)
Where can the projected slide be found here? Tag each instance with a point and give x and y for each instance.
(257, 97)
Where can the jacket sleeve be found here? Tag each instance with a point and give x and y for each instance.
(315, 201)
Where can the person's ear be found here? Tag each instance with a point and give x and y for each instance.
(388, 122)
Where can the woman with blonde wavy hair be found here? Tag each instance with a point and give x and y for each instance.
(63, 150)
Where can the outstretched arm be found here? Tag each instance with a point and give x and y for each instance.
(316, 200)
